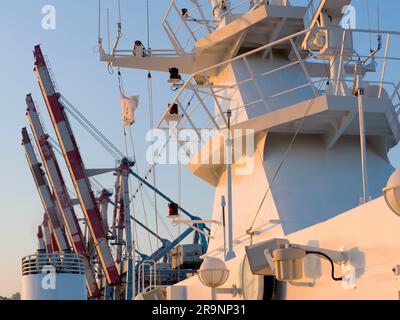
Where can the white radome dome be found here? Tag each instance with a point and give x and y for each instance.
(213, 272)
(392, 192)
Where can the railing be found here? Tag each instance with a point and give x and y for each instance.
(151, 274)
(149, 52)
(312, 8)
(258, 89)
(185, 28)
(51, 73)
(59, 263)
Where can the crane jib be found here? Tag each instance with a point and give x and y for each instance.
(61, 195)
(76, 167)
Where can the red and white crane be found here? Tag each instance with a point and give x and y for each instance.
(76, 167)
(61, 194)
(44, 192)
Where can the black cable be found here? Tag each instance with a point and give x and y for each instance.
(330, 260)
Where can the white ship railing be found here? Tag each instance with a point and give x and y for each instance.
(313, 8)
(59, 263)
(203, 103)
(151, 272)
(185, 30)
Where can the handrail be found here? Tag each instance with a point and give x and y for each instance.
(229, 61)
(199, 20)
(190, 84)
(62, 263)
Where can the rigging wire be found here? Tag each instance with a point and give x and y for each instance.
(108, 31)
(98, 186)
(158, 156)
(136, 237)
(119, 11)
(151, 117)
(102, 143)
(148, 198)
(284, 158)
(378, 12)
(369, 25)
(179, 188)
(151, 125)
(99, 34)
(142, 201)
(91, 128)
(122, 91)
(109, 66)
(148, 24)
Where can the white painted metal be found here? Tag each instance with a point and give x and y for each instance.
(308, 192)
(151, 267)
(365, 194)
(53, 277)
(230, 254)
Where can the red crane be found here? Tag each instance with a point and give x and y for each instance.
(76, 167)
(61, 194)
(45, 193)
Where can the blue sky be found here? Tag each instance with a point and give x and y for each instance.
(87, 84)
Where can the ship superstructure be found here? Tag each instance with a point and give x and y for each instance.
(287, 113)
(298, 80)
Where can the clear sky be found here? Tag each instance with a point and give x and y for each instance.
(87, 84)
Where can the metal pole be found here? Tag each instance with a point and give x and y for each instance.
(360, 93)
(230, 254)
(363, 149)
(133, 271)
(128, 232)
(213, 294)
(223, 205)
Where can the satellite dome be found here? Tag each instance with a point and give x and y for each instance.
(392, 192)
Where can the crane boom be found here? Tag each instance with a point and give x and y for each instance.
(76, 167)
(44, 192)
(61, 194)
